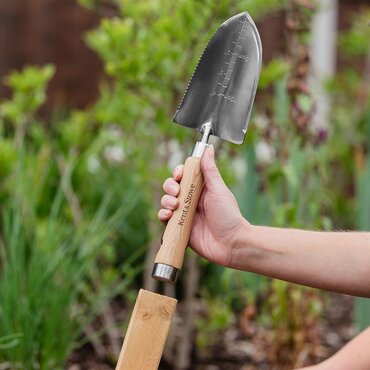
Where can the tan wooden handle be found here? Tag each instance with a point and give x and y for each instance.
(147, 332)
(176, 236)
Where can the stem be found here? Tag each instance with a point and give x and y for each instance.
(186, 337)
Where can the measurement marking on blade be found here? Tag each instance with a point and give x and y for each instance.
(235, 56)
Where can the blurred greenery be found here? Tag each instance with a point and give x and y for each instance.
(362, 307)
(79, 191)
(46, 291)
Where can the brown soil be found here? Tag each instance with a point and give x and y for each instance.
(234, 350)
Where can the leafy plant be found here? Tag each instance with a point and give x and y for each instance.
(29, 87)
(59, 268)
(47, 292)
(362, 305)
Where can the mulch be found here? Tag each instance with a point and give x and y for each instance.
(233, 349)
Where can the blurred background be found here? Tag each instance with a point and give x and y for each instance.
(88, 90)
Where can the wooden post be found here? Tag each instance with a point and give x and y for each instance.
(147, 332)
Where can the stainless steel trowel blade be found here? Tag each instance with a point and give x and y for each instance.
(224, 83)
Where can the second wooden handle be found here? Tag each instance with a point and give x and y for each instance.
(176, 236)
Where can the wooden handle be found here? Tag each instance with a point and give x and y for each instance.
(147, 332)
(176, 236)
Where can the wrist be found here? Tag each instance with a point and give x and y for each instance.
(240, 244)
(253, 250)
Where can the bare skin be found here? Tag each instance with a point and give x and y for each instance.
(353, 356)
(336, 261)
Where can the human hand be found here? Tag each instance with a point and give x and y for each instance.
(218, 222)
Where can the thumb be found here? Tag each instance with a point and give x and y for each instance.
(212, 176)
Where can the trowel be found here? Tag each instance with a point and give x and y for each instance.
(218, 101)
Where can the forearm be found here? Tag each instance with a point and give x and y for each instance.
(354, 355)
(337, 261)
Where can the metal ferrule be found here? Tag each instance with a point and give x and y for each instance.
(165, 273)
(199, 149)
(201, 146)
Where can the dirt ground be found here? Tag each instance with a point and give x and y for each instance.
(234, 351)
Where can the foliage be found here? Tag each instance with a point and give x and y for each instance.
(219, 317)
(46, 291)
(355, 42)
(58, 265)
(362, 305)
(29, 88)
(350, 91)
